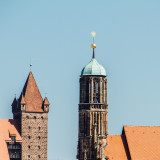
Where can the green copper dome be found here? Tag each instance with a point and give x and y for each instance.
(93, 68)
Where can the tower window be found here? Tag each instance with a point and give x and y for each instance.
(29, 147)
(28, 156)
(97, 87)
(10, 146)
(27, 117)
(39, 156)
(39, 128)
(96, 92)
(39, 147)
(13, 138)
(42, 117)
(29, 127)
(97, 96)
(34, 117)
(29, 137)
(39, 137)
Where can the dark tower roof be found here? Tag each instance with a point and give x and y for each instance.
(14, 103)
(31, 95)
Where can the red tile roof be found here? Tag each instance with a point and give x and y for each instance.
(143, 142)
(136, 143)
(32, 95)
(116, 148)
(8, 127)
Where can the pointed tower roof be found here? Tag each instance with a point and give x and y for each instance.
(23, 100)
(31, 95)
(14, 103)
(46, 102)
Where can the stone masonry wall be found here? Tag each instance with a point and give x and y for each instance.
(34, 129)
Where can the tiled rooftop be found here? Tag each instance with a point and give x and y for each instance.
(7, 127)
(116, 148)
(143, 142)
(136, 143)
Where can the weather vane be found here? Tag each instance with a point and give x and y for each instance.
(93, 35)
(93, 45)
(30, 66)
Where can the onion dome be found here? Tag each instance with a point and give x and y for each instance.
(93, 68)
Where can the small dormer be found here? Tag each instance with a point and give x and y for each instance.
(12, 136)
(23, 104)
(46, 105)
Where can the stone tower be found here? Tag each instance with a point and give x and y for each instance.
(32, 112)
(93, 111)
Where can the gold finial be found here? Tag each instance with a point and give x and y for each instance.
(93, 35)
(93, 44)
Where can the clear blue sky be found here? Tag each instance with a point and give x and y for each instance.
(55, 35)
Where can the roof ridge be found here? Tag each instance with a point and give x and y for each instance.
(138, 126)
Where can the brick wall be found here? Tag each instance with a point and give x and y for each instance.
(34, 128)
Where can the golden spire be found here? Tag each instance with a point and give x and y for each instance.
(93, 44)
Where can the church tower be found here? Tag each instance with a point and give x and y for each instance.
(93, 110)
(32, 113)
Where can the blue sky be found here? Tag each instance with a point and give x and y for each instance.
(55, 37)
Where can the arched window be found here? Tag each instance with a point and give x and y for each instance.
(97, 92)
(89, 91)
(84, 123)
(94, 92)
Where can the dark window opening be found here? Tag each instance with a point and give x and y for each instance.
(13, 138)
(96, 92)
